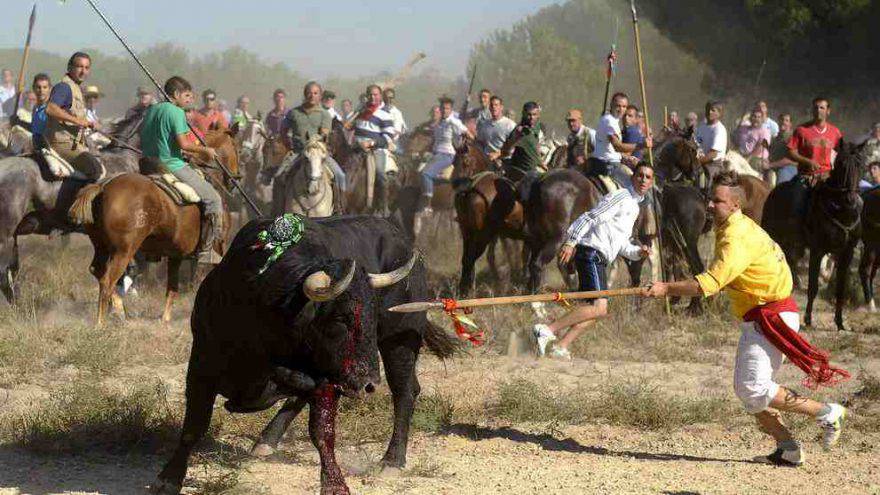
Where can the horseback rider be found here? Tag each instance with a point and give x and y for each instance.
(483, 113)
(752, 269)
(523, 145)
(593, 241)
(389, 96)
(328, 101)
(242, 115)
(492, 132)
(209, 117)
(580, 140)
(375, 134)
(7, 94)
(40, 89)
(311, 119)
(608, 155)
(711, 137)
(145, 100)
(67, 119)
(165, 136)
(446, 133)
(814, 145)
(276, 118)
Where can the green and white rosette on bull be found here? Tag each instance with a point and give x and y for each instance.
(285, 231)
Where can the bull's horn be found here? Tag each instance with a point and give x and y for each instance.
(381, 280)
(319, 287)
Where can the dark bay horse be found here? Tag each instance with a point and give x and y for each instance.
(361, 195)
(130, 213)
(870, 245)
(32, 202)
(825, 219)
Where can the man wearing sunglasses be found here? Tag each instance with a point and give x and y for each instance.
(208, 118)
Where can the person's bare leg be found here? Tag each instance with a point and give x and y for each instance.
(789, 400)
(579, 319)
(770, 422)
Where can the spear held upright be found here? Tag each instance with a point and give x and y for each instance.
(19, 87)
(220, 164)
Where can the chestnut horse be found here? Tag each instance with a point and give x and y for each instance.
(130, 213)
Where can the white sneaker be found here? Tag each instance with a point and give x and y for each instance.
(541, 336)
(832, 424)
(784, 457)
(560, 353)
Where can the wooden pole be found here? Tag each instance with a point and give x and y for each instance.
(650, 151)
(665, 116)
(415, 307)
(19, 87)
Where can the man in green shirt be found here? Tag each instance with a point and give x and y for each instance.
(525, 143)
(165, 135)
(312, 119)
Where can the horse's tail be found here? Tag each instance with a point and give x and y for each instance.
(80, 212)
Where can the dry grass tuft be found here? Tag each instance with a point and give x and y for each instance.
(86, 416)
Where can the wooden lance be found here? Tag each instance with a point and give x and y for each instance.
(415, 307)
(19, 87)
(649, 150)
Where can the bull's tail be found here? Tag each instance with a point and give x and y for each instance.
(80, 212)
(440, 343)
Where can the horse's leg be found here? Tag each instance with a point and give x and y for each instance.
(114, 269)
(493, 266)
(813, 283)
(172, 286)
(866, 266)
(842, 282)
(474, 246)
(10, 264)
(695, 265)
(540, 256)
(874, 265)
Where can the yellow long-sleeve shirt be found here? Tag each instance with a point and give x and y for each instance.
(748, 264)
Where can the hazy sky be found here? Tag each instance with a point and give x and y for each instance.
(317, 38)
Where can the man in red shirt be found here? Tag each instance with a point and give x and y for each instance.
(208, 117)
(813, 145)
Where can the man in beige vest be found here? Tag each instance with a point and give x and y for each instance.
(67, 120)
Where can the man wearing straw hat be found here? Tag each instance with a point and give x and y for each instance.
(92, 95)
(594, 240)
(752, 269)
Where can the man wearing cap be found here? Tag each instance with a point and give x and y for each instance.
(492, 133)
(208, 117)
(67, 119)
(328, 101)
(145, 99)
(580, 140)
(92, 95)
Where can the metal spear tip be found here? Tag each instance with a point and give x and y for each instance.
(415, 307)
(632, 6)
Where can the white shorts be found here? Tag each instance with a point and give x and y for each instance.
(757, 362)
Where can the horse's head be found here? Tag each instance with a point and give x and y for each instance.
(469, 160)
(274, 150)
(677, 158)
(419, 141)
(848, 168)
(223, 142)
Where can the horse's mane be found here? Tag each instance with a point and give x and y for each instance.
(847, 168)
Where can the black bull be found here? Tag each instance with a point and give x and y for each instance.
(258, 338)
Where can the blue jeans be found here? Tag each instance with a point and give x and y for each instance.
(433, 169)
(591, 268)
(786, 173)
(210, 196)
(337, 172)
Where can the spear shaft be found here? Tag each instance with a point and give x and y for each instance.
(220, 164)
(19, 87)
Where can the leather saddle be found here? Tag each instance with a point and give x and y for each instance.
(181, 193)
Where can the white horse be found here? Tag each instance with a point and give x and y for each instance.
(307, 185)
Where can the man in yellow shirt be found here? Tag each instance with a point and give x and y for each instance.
(752, 269)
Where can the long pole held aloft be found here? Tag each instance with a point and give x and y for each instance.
(19, 88)
(649, 150)
(415, 307)
(222, 167)
(611, 63)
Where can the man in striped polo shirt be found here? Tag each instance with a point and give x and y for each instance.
(375, 133)
(594, 240)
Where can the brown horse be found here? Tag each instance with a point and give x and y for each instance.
(481, 219)
(417, 146)
(130, 213)
(361, 194)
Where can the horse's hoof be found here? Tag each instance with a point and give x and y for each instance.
(262, 450)
(165, 487)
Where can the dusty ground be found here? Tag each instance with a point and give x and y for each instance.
(489, 422)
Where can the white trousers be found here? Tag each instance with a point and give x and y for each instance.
(757, 362)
